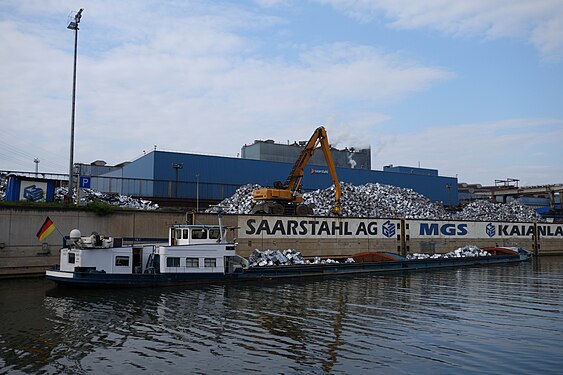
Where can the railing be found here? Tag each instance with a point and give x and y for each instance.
(139, 187)
(162, 188)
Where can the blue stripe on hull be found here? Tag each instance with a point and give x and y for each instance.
(96, 279)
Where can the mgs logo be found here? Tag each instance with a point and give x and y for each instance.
(388, 229)
(490, 229)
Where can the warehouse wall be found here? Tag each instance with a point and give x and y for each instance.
(235, 171)
(140, 168)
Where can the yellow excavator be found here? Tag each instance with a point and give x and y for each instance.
(287, 198)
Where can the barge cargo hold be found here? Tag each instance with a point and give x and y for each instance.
(200, 254)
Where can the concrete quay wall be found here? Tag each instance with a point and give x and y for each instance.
(21, 253)
(330, 236)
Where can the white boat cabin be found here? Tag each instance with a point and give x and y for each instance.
(190, 249)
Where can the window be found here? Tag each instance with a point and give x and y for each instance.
(214, 233)
(178, 234)
(172, 262)
(210, 262)
(185, 235)
(192, 262)
(122, 261)
(71, 258)
(199, 234)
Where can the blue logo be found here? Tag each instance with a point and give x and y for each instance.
(388, 229)
(33, 193)
(490, 230)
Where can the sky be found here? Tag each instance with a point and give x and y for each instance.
(471, 88)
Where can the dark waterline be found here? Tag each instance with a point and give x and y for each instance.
(498, 319)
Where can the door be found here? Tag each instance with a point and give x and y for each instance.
(137, 260)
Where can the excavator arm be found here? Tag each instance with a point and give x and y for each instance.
(289, 191)
(293, 181)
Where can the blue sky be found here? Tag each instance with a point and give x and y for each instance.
(473, 89)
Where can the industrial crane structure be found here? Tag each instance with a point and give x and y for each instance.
(287, 198)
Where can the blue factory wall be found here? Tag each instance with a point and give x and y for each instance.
(136, 178)
(217, 177)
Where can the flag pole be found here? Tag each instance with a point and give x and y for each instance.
(62, 235)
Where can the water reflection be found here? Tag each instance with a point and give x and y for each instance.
(438, 322)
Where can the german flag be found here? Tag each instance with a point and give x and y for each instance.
(46, 229)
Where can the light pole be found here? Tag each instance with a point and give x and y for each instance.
(177, 167)
(73, 25)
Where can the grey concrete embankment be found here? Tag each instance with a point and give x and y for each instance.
(22, 254)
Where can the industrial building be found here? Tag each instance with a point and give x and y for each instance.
(545, 199)
(271, 151)
(199, 180)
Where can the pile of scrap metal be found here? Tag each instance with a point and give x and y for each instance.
(275, 258)
(490, 211)
(462, 252)
(377, 200)
(386, 201)
(3, 183)
(115, 199)
(286, 257)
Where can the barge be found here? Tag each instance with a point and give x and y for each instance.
(199, 253)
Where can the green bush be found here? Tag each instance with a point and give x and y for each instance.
(100, 208)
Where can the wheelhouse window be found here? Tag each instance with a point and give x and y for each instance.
(214, 234)
(185, 234)
(122, 261)
(210, 262)
(192, 262)
(178, 234)
(172, 262)
(199, 234)
(71, 258)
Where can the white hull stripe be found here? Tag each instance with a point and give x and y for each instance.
(66, 275)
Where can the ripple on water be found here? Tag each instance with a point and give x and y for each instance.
(476, 320)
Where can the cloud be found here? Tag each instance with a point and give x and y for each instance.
(195, 77)
(272, 3)
(203, 86)
(483, 152)
(539, 22)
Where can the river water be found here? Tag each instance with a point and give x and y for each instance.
(496, 319)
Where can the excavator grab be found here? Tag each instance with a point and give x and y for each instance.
(286, 198)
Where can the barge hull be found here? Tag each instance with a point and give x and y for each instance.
(99, 279)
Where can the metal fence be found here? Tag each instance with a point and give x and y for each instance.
(162, 188)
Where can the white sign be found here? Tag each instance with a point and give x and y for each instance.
(315, 227)
(477, 229)
(33, 191)
(312, 227)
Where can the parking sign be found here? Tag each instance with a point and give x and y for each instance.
(85, 182)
